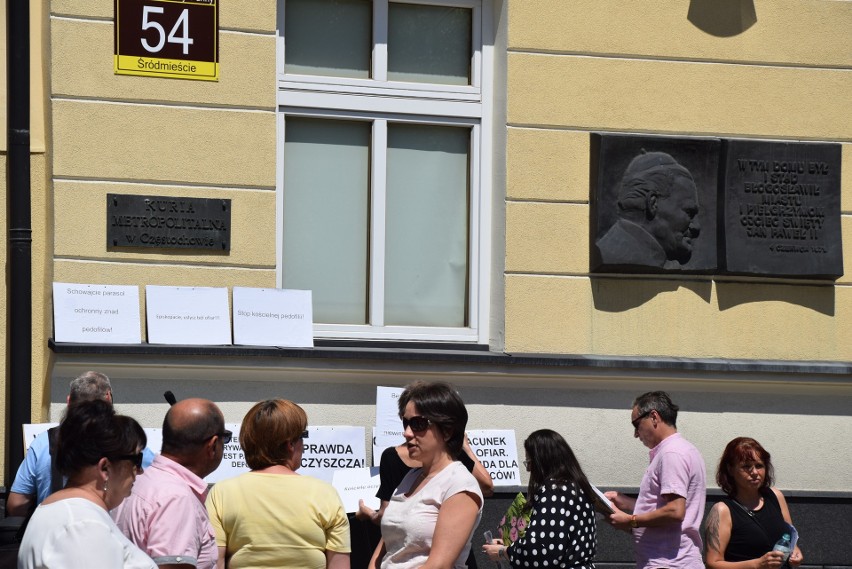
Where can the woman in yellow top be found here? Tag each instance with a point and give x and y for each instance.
(271, 516)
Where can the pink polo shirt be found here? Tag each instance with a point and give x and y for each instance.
(165, 516)
(676, 468)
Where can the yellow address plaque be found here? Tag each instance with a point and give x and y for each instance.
(178, 39)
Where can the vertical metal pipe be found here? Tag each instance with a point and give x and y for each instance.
(19, 276)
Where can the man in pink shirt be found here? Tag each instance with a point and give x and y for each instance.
(165, 514)
(666, 516)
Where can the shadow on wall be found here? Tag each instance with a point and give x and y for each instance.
(722, 18)
(621, 295)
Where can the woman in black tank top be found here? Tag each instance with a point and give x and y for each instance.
(745, 526)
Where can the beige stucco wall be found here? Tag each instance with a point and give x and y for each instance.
(154, 136)
(572, 68)
(644, 67)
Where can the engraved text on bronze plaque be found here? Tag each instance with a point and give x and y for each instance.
(168, 222)
(782, 209)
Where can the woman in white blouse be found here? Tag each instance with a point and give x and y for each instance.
(101, 454)
(431, 516)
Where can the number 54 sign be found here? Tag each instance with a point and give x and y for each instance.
(167, 38)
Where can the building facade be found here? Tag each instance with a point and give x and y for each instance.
(424, 169)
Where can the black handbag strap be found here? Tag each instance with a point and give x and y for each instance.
(751, 515)
(55, 475)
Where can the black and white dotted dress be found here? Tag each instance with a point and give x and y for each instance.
(562, 531)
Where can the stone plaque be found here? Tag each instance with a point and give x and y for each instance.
(168, 223)
(782, 209)
(653, 204)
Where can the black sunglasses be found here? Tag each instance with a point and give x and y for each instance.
(418, 423)
(635, 422)
(226, 436)
(136, 459)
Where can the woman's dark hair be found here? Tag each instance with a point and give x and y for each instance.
(742, 449)
(441, 404)
(90, 431)
(552, 460)
(267, 429)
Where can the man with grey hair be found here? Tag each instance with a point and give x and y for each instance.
(657, 209)
(665, 518)
(36, 478)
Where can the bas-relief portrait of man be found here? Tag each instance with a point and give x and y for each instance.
(651, 216)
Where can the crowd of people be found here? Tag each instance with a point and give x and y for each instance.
(93, 495)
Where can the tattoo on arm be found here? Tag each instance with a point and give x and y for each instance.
(712, 531)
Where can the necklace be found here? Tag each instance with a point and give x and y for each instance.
(750, 511)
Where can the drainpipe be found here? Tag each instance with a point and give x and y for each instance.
(19, 263)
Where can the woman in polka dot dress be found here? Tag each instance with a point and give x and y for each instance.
(562, 531)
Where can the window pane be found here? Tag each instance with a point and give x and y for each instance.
(326, 201)
(426, 251)
(429, 44)
(328, 37)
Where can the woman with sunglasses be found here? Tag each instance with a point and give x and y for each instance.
(271, 516)
(743, 528)
(562, 531)
(433, 512)
(100, 453)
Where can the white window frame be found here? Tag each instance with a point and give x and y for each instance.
(381, 101)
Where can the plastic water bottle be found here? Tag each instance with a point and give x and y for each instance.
(783, 546)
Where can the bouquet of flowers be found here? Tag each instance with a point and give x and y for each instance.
(514, 523)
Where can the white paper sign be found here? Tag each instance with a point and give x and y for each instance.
(331, 448)
(354, 484)
(273, 317)
(497, 451)
(388, 425)
(96, 314)
(233, 459)
(325, 450)
(155, 439)
(32, 430)
(188, 315)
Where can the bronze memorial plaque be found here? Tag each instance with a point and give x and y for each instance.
(782, 209)
(168, 222)
(653, 204)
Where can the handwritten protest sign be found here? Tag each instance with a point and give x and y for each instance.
(388, 426)
(188, 315)
(96, 314)
(273, 317)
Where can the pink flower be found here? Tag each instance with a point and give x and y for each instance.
(513, 534)
(522, 524)
(514, 522)
(503, 521)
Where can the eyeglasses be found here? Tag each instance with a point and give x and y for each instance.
(136, 459)
(635, 422)
(226, 436)
(753, 466)
(418, 423)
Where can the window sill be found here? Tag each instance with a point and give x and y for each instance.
(484, 360)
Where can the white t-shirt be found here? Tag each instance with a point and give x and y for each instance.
(409, 522)
(75, 533)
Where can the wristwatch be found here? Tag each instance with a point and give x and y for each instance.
(633, 522)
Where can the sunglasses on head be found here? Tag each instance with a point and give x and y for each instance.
(418, 423)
